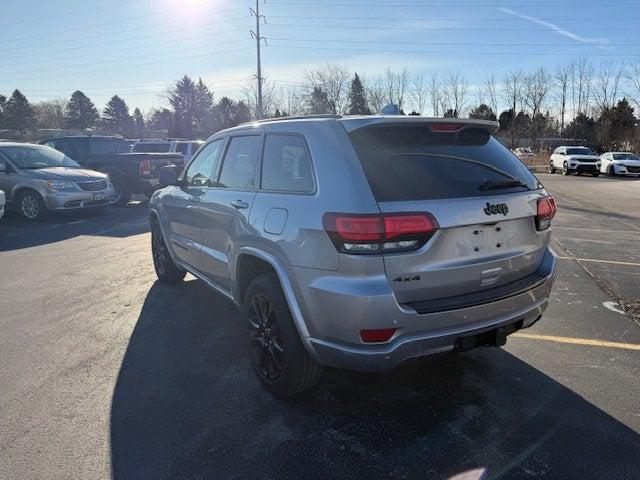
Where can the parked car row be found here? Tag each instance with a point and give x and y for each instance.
(187, 148)
(77, 172)
(579, 159)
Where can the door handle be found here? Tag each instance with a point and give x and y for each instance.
(239, 204)
(194, 198)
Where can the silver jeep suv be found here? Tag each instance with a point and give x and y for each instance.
(359, 242)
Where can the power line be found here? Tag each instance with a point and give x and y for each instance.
(385, 42)
(68, 74)
(112, 22)
(476, 19)
(464, 29)
(102, 62)
(54, 42)
(454, 5)
(450, 52)
(129, 39)
(68, 14)
(120, 50)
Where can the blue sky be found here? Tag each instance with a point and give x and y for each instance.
(136, 48)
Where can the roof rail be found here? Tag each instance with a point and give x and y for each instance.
(299, 117)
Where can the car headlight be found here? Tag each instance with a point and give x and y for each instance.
(61, 185)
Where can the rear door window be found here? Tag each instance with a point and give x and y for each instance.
(240, 162)
(411, 162)
(286, 164)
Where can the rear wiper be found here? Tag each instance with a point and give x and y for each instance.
(498, 184)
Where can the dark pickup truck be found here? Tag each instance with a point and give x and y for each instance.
(129, 172)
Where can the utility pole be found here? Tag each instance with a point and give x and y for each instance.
(256, 35)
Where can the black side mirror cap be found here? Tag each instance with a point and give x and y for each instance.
(169, 176)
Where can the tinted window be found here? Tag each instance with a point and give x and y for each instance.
(239, 166)
(152, 147)
(72, 148)
(414, 163)
(579, 151)
(182, 148)
(286, 164)
(201, 170)
(98, 146)
(195, 147)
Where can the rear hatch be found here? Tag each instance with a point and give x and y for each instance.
(483, 199)
(151, 163)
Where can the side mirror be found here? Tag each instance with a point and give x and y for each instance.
(169, 175)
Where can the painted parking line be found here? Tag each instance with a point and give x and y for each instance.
(577, 341)
(595, 260)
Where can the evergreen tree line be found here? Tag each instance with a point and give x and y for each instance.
(576, 100)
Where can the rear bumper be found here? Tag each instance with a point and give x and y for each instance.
(423, 334)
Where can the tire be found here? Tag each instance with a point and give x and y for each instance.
(565, 169)
(166, 270)
(611, 171)
(31, 206)
(595, 174)
(123, 192)
(279, 359)
(552, 169)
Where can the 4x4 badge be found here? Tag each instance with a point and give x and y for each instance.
(497, 208)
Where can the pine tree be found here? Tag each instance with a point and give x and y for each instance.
(357, 98)
(81, 112)
(192, 108)
(319, 103)
(3, 104)
(116, 117)
(482, 112)
(18, 113)
(138, 123)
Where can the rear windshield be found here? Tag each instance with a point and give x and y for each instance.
(404, 163)
(152, 147)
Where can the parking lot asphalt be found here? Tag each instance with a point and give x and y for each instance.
(106, 373)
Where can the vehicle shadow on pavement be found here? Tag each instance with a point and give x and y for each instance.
(16, 234)
(186, 405)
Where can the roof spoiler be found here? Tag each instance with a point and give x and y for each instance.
(445, 124)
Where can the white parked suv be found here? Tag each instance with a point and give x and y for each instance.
(574, 160)
(187, 148)
(619, 163)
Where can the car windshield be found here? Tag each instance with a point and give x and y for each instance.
(625, 156)
(579, 151)
(33, 157)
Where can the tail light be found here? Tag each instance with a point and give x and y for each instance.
(445, 127)
(377, 336)
(546, 211)
(145, 168)
(379, 233)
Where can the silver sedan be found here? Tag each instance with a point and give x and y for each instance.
(39, 179)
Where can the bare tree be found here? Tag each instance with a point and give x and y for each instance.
(376, 94)
(419, 93)
(250, 93)
(607, 83)
(490, 92)
(562, 77)
(50, 113)
(334, 79)
(396, 84)
(456, 88)
(581, 78)
(513, 86)
(290, 99)
(633, 76)
(435, 94)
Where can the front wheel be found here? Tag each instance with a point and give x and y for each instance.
(277, 355)
(123, 193)
(595, 174)
(552, 168)
(31, 206)
(611, 171)
(166, 270)
(565, 169)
